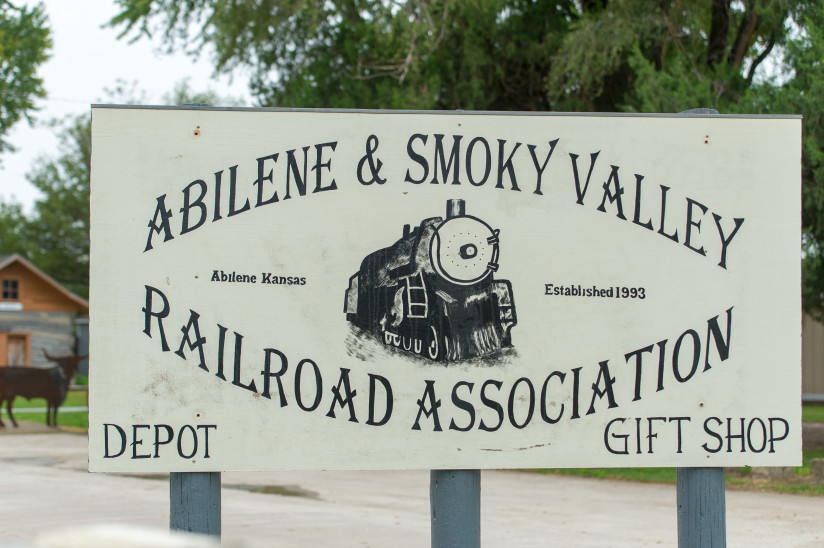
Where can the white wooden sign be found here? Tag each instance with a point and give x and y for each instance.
(368, 290)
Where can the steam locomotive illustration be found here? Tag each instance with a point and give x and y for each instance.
(432, 292)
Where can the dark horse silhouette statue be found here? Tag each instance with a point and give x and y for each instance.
(49, 383)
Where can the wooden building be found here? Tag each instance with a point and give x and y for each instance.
(36, 314)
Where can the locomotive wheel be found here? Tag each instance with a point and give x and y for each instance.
(434, 350)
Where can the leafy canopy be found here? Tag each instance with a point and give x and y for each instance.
(24, 46)
(742, 56)
(55, 236)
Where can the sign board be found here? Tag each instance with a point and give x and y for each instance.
(275, 289)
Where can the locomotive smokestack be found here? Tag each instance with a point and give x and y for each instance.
(455, 208)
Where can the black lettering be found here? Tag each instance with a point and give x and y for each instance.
(638, 357)
(713, 434)
(576, 385)
(511, 403)
(267, 375)
(299, 389)
(261, 178)
(725, 241)
(678, 421)
(236, 377)
(492, 404)
(763, 435)
(692, 223)
(417, 158)
(148, 314)
(292, 169)
(463, 404)
(320, 164)
(455, 156)
(578, 190)
(636, 218)
(387, 391)
(696, 355)
(730, 436)
(122, 434)
(233, 210)
(603, 373)
(487, 161)
(544, 414)
(506, 166)
(180, 442)
(135, 441)
(197, 343)
(221, 345)
(187, 206)
(607, 435)
(206, 437)
(432, 411)
(540, 169)
(773, 437)
(674, 235)
(614, 197)
(723, 347)
(164, 226)
(347, 399)
(170, 435)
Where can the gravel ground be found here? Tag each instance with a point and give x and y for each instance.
(46, 489)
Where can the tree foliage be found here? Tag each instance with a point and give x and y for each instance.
(55, 236)
(24, 46)
(741, 56)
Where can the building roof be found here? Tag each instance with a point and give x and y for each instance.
(6, 260)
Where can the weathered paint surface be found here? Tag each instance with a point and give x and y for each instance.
(276, 289)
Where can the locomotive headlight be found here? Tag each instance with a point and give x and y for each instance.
(464, 250)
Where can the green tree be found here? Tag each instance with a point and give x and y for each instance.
(24, 46)
(55, 236)
(743, 56)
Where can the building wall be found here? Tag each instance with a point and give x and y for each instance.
(812, 357)
(53, 332)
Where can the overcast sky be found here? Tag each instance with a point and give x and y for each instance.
(87, 59)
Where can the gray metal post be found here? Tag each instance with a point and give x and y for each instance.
(194, 502)
(702, 507)
(455, 502)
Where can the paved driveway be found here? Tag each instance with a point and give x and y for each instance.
(45, 487)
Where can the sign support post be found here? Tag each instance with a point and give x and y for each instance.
(455, 495)
(702, 509)
(455, 502)
(194, 502)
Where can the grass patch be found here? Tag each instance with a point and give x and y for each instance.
(812, 413)
(735, 478)
(75, 398)
(76, 419)
(646, 475)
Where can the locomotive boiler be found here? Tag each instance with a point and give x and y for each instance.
(433, 293)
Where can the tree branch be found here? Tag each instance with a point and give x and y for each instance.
(719, 26)
(745, 33)
(758, 60)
